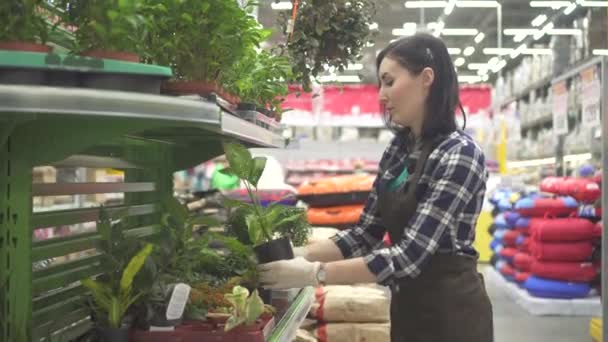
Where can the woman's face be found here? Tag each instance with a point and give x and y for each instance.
(404, 94)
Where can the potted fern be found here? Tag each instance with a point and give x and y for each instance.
(23, 26)
(262, 222)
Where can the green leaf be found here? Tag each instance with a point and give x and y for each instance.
(259, 163)
(186, 17)
(233, 322)
(239, 158)
(290, 219)
(254, 227)
(176, 210)
(232, 203)
(255, 308)
(133, 268)
(227, 171)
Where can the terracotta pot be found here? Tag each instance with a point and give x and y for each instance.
(25, 46)
(190, 87)
(117, 55)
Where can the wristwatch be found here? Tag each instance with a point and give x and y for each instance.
(321, 275)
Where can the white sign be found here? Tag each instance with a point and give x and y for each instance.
(590, 86)
(560, 108)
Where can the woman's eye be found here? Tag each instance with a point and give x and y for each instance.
(388, 83)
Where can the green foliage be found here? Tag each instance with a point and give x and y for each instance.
(113, 298)
(327, 32)
(201, 39)
(22, 21)
(246, 309)
(112, 25)
(261, 222)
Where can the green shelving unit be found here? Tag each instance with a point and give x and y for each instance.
(147, 136)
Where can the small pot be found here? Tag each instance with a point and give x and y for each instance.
(275, 250)
(25, 46)
(113, 335)
(117, 55)
(248, 106)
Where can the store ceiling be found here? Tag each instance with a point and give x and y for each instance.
(393, 14)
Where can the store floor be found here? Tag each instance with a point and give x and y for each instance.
(513, 323)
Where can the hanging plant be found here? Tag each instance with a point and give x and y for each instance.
(327, 33)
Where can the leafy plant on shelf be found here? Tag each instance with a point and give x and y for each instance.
(246, 308)
(262, 222)
(22, 22)
(109, 25)
(202, 39)
(327, 33)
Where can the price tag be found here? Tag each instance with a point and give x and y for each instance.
(591, 95)
(560, 108)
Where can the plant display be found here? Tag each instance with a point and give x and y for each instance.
(201, 39)
(21, 21)
(297, 231)
(114, 296)
(262, 222)
(327, 33)
(108, 25)
(246, 309)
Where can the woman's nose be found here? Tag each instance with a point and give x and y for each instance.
(382, 97)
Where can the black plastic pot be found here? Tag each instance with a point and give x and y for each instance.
(274, 250)
(113, 335)
(246, 106)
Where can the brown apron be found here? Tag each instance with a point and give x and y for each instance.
(448, 300)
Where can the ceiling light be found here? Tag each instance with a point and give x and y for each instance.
(450, 7)
(600, 52)
(553, 4)
(539, 20)
(479, 37)
(537, 52)
(373, 26)
(570, 9)
(459, 32)
(594, 3)
(497, 51)
(493, 61)
(355, 67)
(499, 66)
(485, 78)
(370, 44)
(469, 78)
(425, 4)
(410, 26)
(459, 62)
(454, 51)
(482, 72)
(281, 6)
(564, 32)
(477, 4)
(469, 50)
(403, 32)
(519, 31)
(538, 35)
(519, 38)
(477, 66)
(518, 51)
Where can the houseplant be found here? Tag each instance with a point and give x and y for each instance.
(327, 33)
(261, 221)
(23, 27)
(113, 29)
(201, 40)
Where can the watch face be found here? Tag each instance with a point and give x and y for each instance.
(321, 276)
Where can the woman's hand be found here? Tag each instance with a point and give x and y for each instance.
(288, 274)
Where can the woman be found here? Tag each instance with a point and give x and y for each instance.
(427, 196)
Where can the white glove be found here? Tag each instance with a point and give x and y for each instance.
(289, 274)
(300, 252)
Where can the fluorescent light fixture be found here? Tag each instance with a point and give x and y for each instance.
(539, 20)
(281, 6)
(497, 51)
(454, 51)
(425, 4)
(373, 26)
(355, 67)
(469, 50)
(493, 61)
(564, 32)
(477, 66)
(482, 72)
(519, 38)
(469, 78)
(341, 79)
(518, 51)
(459, 32)
(478, 4)
(519, 31)
(594, 3)
(600, 52)
(370, 44)
(537, 52)
(410, 26)
(485, 78)
(403, 32)
(577, 157)
(479, 37)
(553, 4)
(459, 62)
(449, 8)
(530, 163)
(570, 8)
(541, 33)
(499, 66)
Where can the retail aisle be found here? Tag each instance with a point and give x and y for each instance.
(513, 323)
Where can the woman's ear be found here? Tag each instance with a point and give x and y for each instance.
(428, 76)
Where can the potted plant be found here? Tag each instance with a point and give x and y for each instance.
(23, 26)
(327, 33)
(262, 222)
(112, 298)
(246, 309)
(201, 40)
(112, 29)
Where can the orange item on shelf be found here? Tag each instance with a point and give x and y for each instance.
(338, 184)
(341, 215)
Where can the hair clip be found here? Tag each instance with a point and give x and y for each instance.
(429, 53)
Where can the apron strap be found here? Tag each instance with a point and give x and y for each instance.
(427, 149)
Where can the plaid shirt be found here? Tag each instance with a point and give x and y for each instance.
(450, 194)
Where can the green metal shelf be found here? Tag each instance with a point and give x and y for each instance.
(147, 136)
(286, 328)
